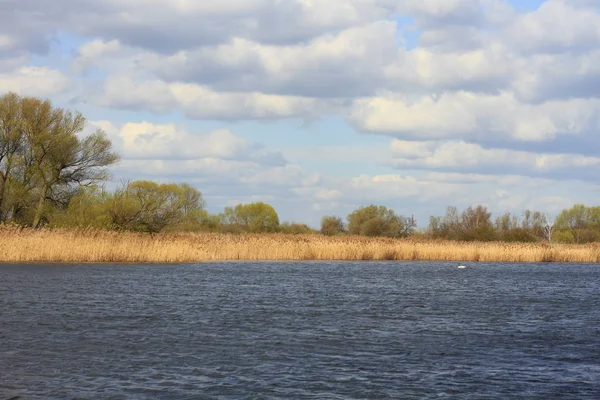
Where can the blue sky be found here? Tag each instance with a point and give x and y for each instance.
(319, 107)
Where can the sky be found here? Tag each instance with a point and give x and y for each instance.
(321, 106)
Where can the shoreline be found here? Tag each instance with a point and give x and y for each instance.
(87, 246)
(172, 264)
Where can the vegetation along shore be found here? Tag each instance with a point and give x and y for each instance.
(54, 207)
(90, 245)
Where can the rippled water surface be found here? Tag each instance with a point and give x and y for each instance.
(300, 330)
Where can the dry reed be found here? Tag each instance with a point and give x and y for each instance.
(22, 245)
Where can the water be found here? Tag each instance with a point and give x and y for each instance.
(300, 330)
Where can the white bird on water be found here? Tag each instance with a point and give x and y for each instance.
(461, 267)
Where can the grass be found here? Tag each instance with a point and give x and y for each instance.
(82, 246)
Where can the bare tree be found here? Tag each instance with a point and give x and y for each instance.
(548, 226)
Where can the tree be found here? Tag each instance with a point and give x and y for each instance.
(149, 207)
(506, 223)
(476, 224)
(580, 222)
(379, 221)
(253, 217)
(331, 226)
(11, 143)
(548, 227)
(43, 157)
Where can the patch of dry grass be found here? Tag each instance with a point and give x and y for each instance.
(45, 245)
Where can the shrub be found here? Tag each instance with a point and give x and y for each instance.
(331, 226)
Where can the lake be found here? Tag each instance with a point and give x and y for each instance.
(310, 330)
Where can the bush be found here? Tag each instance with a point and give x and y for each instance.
(519, 235)
(373, 227)
(331, 226)
(379, 221)
(295, 228)
(253, 217)
(563, 237)
(586, 235)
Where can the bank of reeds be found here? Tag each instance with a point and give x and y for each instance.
(72, 246)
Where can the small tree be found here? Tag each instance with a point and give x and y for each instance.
(331, 225)
(149, 207)
(576, 220)
(379, 221)
(548, 227)
(476, 224)
(253, 217)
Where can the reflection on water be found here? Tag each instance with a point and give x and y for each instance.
(300, 330)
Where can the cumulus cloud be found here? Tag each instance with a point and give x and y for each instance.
(167, 26)
(557, 26)
(474, 116)
(34, 81)
(463, 156)
(340, 65)
(363, 58)
(220, 162)
(201, 102)
(433, 13)
(148, 141)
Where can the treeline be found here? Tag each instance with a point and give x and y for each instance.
(579, 224)
(52, 175)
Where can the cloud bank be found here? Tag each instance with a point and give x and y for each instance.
(460, 97)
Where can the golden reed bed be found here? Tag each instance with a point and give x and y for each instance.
(32, 246)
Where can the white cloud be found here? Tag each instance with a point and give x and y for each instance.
(466, 115)
(363, 60)
(546, 77)
(149, 23)
(556, 26)
(462, 156)
(342, 64)
(34, 81)
(148, 141)
(287, 175)
(200, 102)
(92, 53)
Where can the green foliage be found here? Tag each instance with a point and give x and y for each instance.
(86, 209)
(147, 206)
(379, 221)
(517, 235)
(209, 221)
(373, 227)
(253, 217)
(563, 237)
(295, 228)
(474, 223)
(580, 222)
(331, 226)
(42, 158)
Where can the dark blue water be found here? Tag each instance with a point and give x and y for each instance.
(300, 330)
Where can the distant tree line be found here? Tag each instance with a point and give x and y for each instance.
(52, 175)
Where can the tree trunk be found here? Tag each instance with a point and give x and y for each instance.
(40, 208)
(2, 191)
